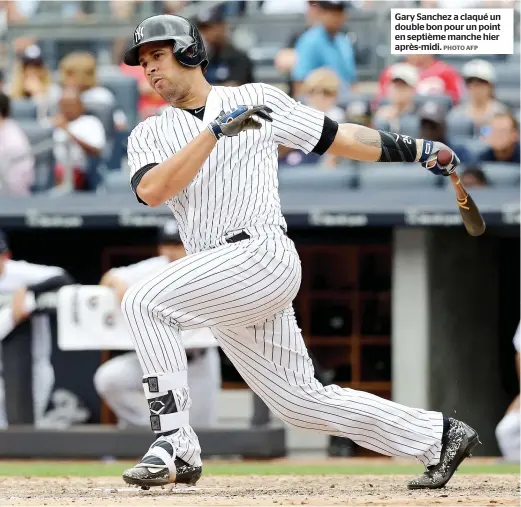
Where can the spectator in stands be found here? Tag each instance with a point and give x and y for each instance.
(20, 10)
(78, 70)
(473, 176)
(481, 106)
(401, 93)
(287, 57)
(16, 159)
(433, 126)
(503, 140)
(321, 90)
(78, 137)
(173, 6)
(33, 80)
(323, 45)
(435, 78)
(228, 65)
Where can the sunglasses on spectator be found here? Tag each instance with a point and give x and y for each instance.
(476, 80)
(328, 92)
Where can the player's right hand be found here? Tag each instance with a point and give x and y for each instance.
(429, 158)
(238, 120)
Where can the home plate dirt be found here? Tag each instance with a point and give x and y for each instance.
(276, 491)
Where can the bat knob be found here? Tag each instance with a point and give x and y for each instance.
(444, 157)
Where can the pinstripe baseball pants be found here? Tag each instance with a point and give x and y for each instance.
(243, 292)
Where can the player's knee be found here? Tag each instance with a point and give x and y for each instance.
(104, 380)
(136, 301)
(132, 300)
(507, 433)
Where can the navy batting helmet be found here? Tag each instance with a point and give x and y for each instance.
(188, 44)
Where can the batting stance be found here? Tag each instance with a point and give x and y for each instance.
(119, 380)
(212, 157)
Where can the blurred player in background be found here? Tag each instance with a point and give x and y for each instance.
(119, 380)
(17, 280)
(508, 430)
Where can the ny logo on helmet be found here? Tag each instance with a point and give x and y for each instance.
(138, 35)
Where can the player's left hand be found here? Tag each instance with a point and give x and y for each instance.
(238, 120)
(429, 158)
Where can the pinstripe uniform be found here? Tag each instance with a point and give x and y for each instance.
(240, 278)
(118, 380)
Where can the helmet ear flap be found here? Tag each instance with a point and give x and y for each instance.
(191, 51)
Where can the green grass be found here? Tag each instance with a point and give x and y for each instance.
(98, 468)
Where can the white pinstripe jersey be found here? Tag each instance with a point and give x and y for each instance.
(237, 186)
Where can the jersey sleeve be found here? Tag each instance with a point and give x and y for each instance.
(296, 125)
(144, 148)
(33, 274)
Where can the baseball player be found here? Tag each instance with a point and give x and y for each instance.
(18, 280)
(119, 380)
(212, 157)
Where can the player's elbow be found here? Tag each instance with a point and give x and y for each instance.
(150, 195)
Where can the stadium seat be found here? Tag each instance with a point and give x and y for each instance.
(125, 89)
(396, 176)
(105, 114)
(23, 109)
(459, 125)
(508, 74)
(501, 174)
(316, 178)
(410, 125)
(509, 96)
(41, 140)
(114, 182)
(263, 55)
(268, 74)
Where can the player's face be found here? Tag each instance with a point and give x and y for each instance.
(503, 135)
(332, 19)
(163, 72)
(400, 92)
(479, 90)
(172, 251)
(323, 98)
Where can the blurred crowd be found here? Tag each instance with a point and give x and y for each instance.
(66, 127)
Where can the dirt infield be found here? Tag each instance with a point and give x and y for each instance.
(276, 491)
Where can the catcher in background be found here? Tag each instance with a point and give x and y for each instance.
(119, 380)
(507, 431)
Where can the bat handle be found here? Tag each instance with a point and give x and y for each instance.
(461, 194)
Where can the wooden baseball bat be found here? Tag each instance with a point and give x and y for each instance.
(472, 218)
(470, 214)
